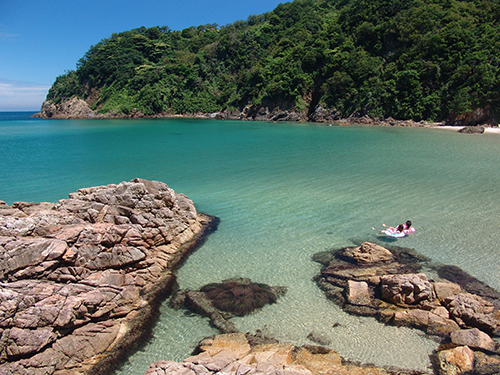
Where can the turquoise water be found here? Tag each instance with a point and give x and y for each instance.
(283, 192)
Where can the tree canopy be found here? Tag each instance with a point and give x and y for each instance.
(406, 59)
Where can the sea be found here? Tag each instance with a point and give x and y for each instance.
(283, 192)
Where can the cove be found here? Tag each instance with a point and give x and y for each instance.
(283, 192)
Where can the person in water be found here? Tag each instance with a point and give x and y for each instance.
(408, 228)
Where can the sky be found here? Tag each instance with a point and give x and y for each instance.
(41, 40)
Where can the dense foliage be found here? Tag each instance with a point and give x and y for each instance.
(408, 59)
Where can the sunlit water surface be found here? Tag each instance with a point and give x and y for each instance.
(283, 192)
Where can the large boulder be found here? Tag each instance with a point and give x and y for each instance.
(367, 253)
(358, 293)
(409, 289)
(445, 289)
(472, 130)
(473, 311)
(455, 361)
(473, 338)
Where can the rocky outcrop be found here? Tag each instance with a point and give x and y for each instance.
(472, 130)
(387, 284)
(80, 279)
(233, 354)
(75, 108)
(70, 109)
(476, 117)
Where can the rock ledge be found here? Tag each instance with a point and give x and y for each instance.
(80, 279)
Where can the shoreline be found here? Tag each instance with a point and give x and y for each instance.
(365, 120)
(75, 108)
(487, 129)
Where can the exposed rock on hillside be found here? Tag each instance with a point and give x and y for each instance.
(80, 278)
(478, 116)
(71, 109)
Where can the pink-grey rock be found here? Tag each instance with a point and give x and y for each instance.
(473, 338)
(406, 289)
(473, 311)
(358, 293)
(368, 253)
(231, 354)
(78, 278)
(445, 289)
(426, 320)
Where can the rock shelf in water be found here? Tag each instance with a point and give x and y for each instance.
(238, 354)
(80, 279)
(370, 280)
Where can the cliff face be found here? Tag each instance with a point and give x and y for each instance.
(80, 278)
(476, 117)
(71, 108)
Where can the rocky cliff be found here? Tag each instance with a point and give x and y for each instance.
(80, 279)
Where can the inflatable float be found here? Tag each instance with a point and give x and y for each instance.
(410, 230)
(393, 233)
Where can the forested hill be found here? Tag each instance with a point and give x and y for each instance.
(406, 59)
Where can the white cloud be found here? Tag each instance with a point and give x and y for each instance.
(7, 36)
(21, 96)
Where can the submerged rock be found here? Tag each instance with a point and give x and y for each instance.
(221, 301)
(79, 279)
(239, 296)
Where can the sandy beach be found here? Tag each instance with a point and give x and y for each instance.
(491, 130)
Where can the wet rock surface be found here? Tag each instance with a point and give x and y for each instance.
(80, 277)
(459, 309)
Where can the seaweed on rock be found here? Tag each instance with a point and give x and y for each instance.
(239, 296)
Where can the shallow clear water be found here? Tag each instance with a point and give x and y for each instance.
(283, 192)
